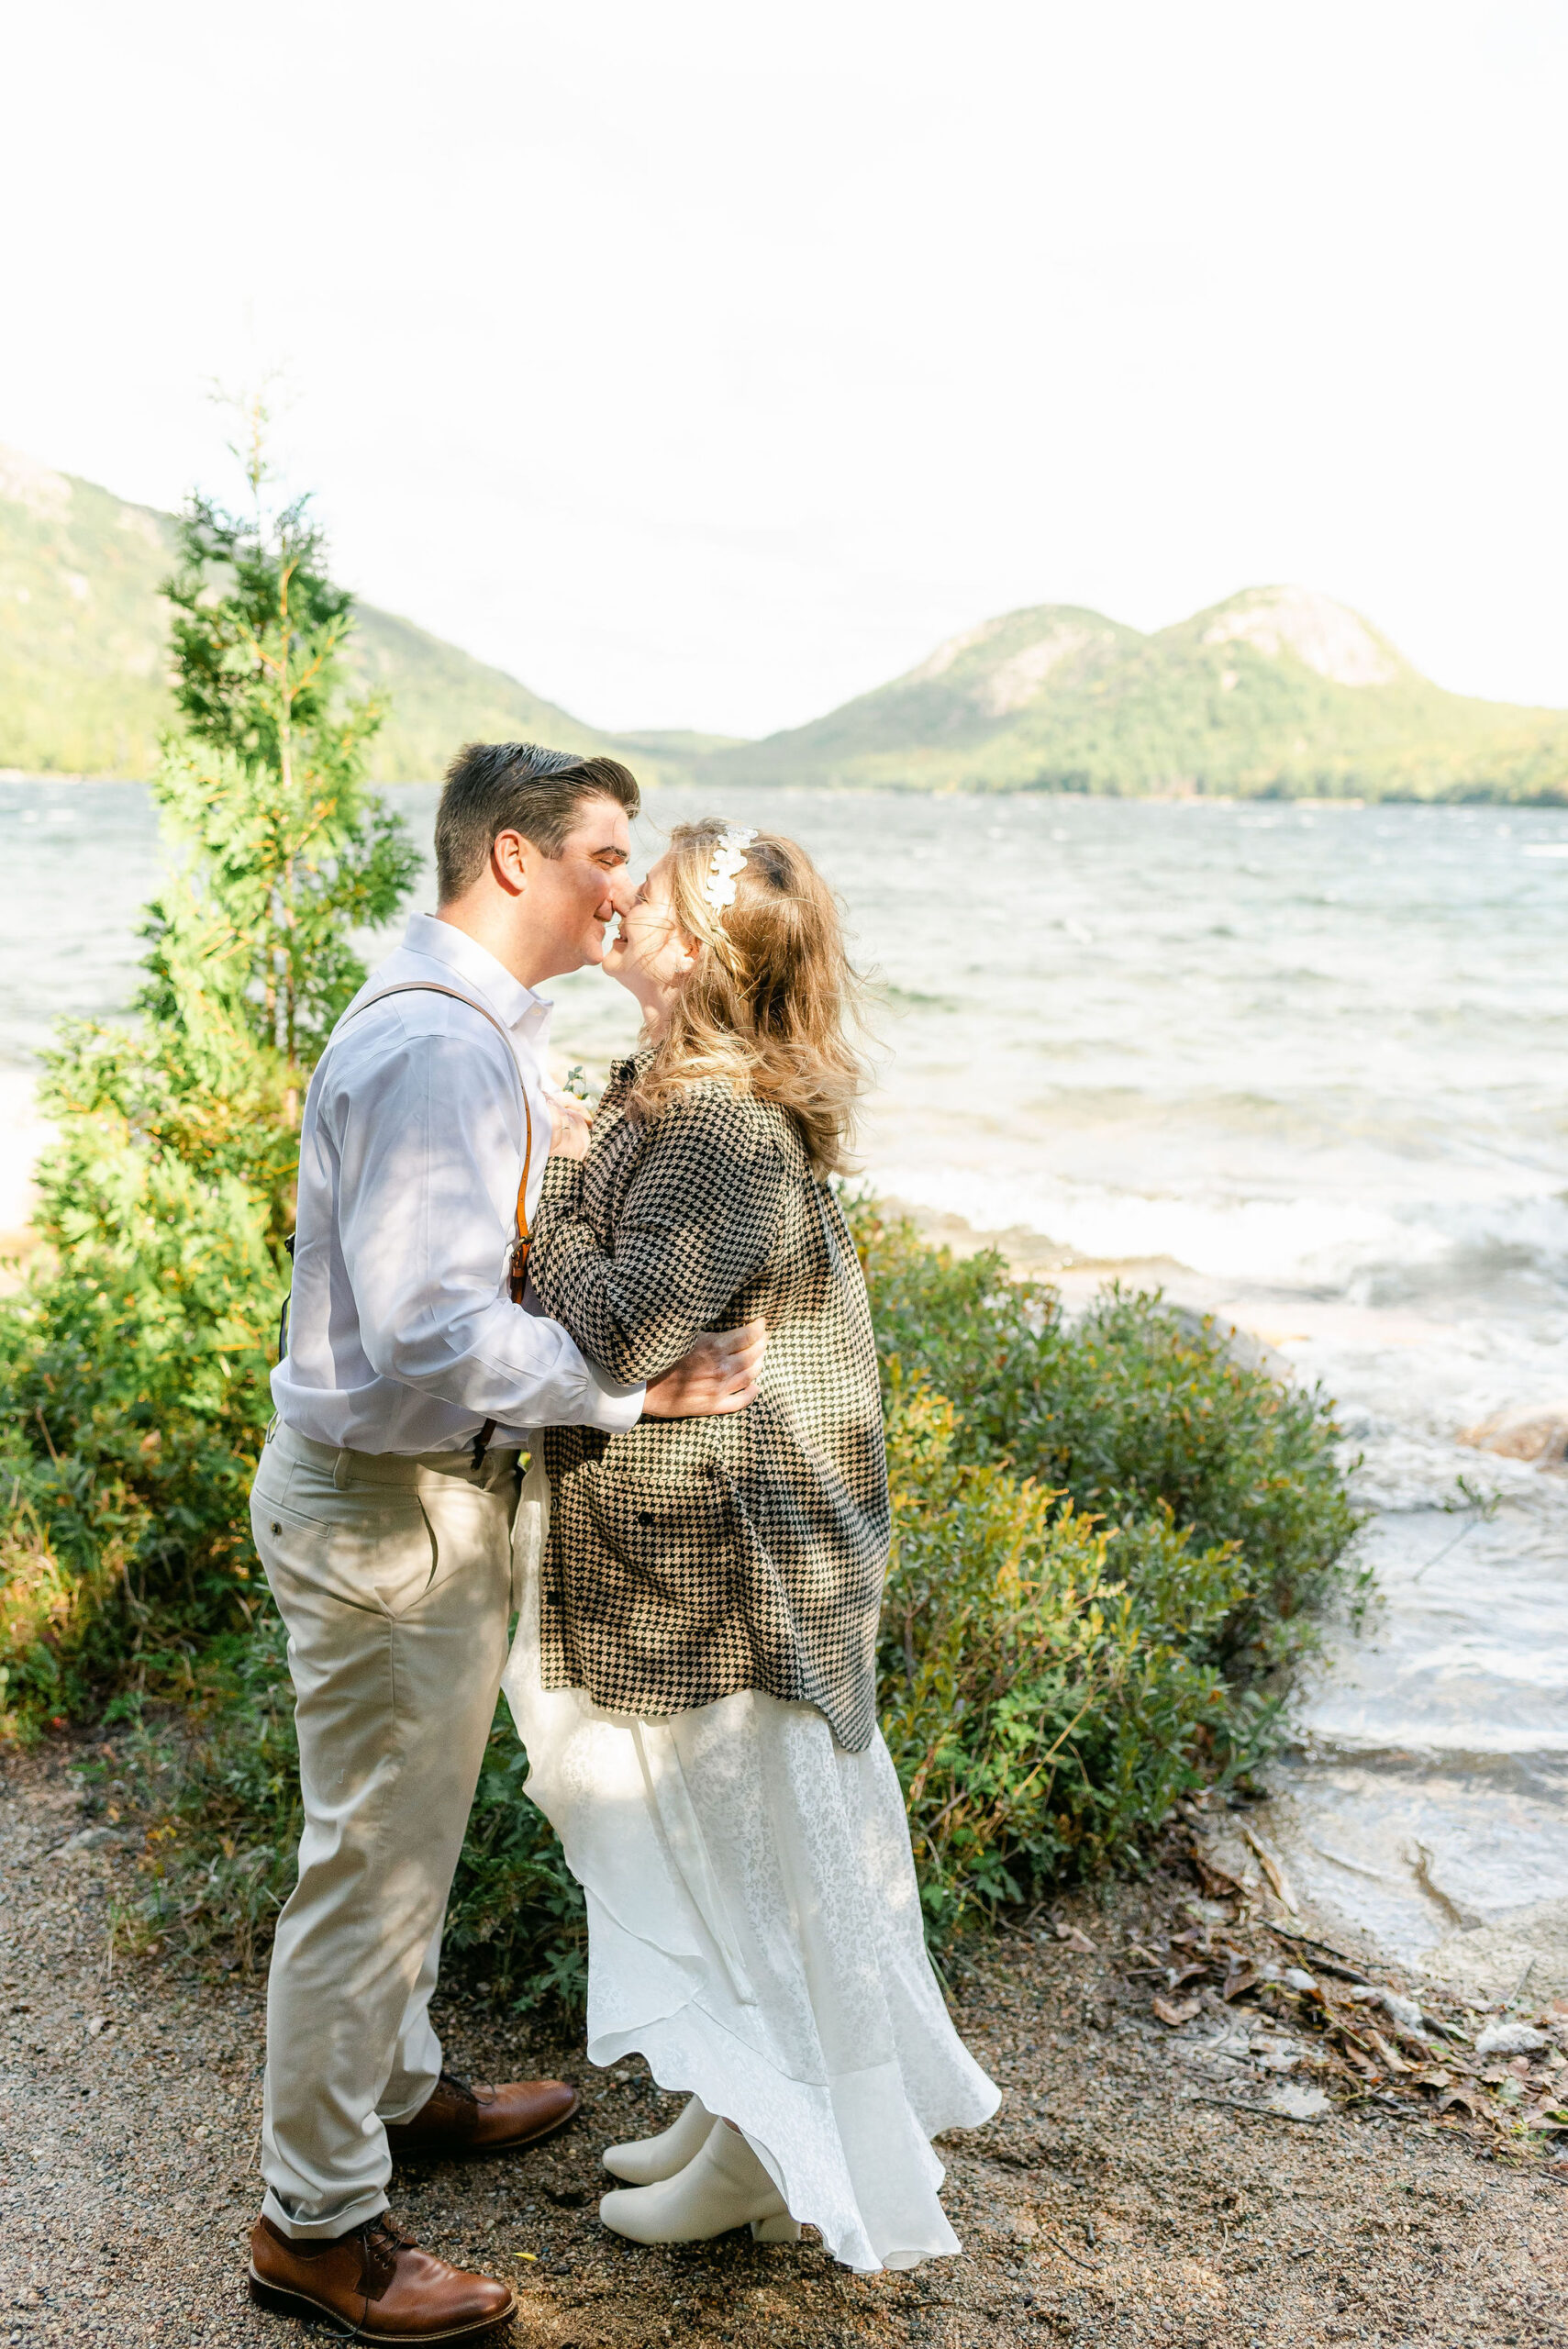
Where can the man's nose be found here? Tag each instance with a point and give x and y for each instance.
(622, 891)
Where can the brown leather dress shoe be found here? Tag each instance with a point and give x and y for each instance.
(377, 2283)
(463, 2119)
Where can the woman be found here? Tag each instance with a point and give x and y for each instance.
(694, 1671)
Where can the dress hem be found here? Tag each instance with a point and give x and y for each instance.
(683, 2074)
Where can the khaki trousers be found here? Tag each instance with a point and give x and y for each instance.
(394, 1579)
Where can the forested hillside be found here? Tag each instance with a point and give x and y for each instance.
(1277, 690)
(84, 636)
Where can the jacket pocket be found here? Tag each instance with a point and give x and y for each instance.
(672, 1543)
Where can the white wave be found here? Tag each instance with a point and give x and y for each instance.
(1316, 1240)
(1244, 1239)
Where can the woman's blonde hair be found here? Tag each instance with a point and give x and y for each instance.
(772, 999)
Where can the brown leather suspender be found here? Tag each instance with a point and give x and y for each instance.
(517, 1255)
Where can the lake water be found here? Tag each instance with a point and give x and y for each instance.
(1302, 1065)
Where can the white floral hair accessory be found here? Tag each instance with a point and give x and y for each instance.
(728, 859)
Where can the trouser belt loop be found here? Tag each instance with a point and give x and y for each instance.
(342, 1469)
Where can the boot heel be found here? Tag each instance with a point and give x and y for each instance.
(783, 2229)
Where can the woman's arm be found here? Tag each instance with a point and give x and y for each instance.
(697, 1220)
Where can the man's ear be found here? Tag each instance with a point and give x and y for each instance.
(509, 854)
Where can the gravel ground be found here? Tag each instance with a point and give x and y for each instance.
(1136, 2187)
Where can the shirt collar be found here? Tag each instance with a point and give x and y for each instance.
(518, 1005)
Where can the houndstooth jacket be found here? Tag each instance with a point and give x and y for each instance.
(689, 1558)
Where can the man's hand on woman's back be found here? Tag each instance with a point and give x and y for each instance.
(720, 1374)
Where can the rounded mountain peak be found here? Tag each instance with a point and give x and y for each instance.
(1003, 664)
(1327, 636)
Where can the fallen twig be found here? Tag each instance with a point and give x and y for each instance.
(1273, 1870)
(1260, 2111)
(1092, 2265)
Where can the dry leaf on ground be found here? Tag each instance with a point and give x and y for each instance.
(1174, 2011)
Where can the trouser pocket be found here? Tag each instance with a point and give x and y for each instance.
(373, 1550)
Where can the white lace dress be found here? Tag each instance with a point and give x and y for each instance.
(754, 1933)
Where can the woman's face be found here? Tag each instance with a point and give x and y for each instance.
(648, 955)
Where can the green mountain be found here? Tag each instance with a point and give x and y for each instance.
(1278, 691)
(82, 632)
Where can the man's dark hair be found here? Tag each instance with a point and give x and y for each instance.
(494, 787)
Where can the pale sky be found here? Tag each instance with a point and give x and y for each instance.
(704, 364)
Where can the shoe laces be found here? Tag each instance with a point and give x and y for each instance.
(380, 2242)
(383, 2241)
(463, 2088)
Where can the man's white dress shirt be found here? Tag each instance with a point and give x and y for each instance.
(401, 1337)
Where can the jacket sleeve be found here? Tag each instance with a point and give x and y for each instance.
(697, 1220)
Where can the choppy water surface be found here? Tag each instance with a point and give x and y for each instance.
(1304, 1065)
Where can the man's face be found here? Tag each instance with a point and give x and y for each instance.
(571, 897)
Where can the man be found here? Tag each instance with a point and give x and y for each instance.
(382, 1509)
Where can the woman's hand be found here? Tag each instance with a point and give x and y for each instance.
(569, 1132)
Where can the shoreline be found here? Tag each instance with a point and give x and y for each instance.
(1548, 797)
(1270, 1322)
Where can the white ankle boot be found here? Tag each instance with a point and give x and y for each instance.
(649, 2159)
(723, 2186)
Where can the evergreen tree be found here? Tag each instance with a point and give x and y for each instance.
(268, 781)
(133, 1368)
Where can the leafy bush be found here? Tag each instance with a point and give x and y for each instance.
(217, 1782)
(1038, 1695)
(1130, 1409)
(133, 1367)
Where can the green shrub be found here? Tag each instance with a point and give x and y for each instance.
(133, 1367)
(1130, 1409)
(218, 1783)
(515, 1922)
(1037, 1690)
(1063, 1656)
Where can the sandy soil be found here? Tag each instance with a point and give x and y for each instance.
(1141, 2185)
